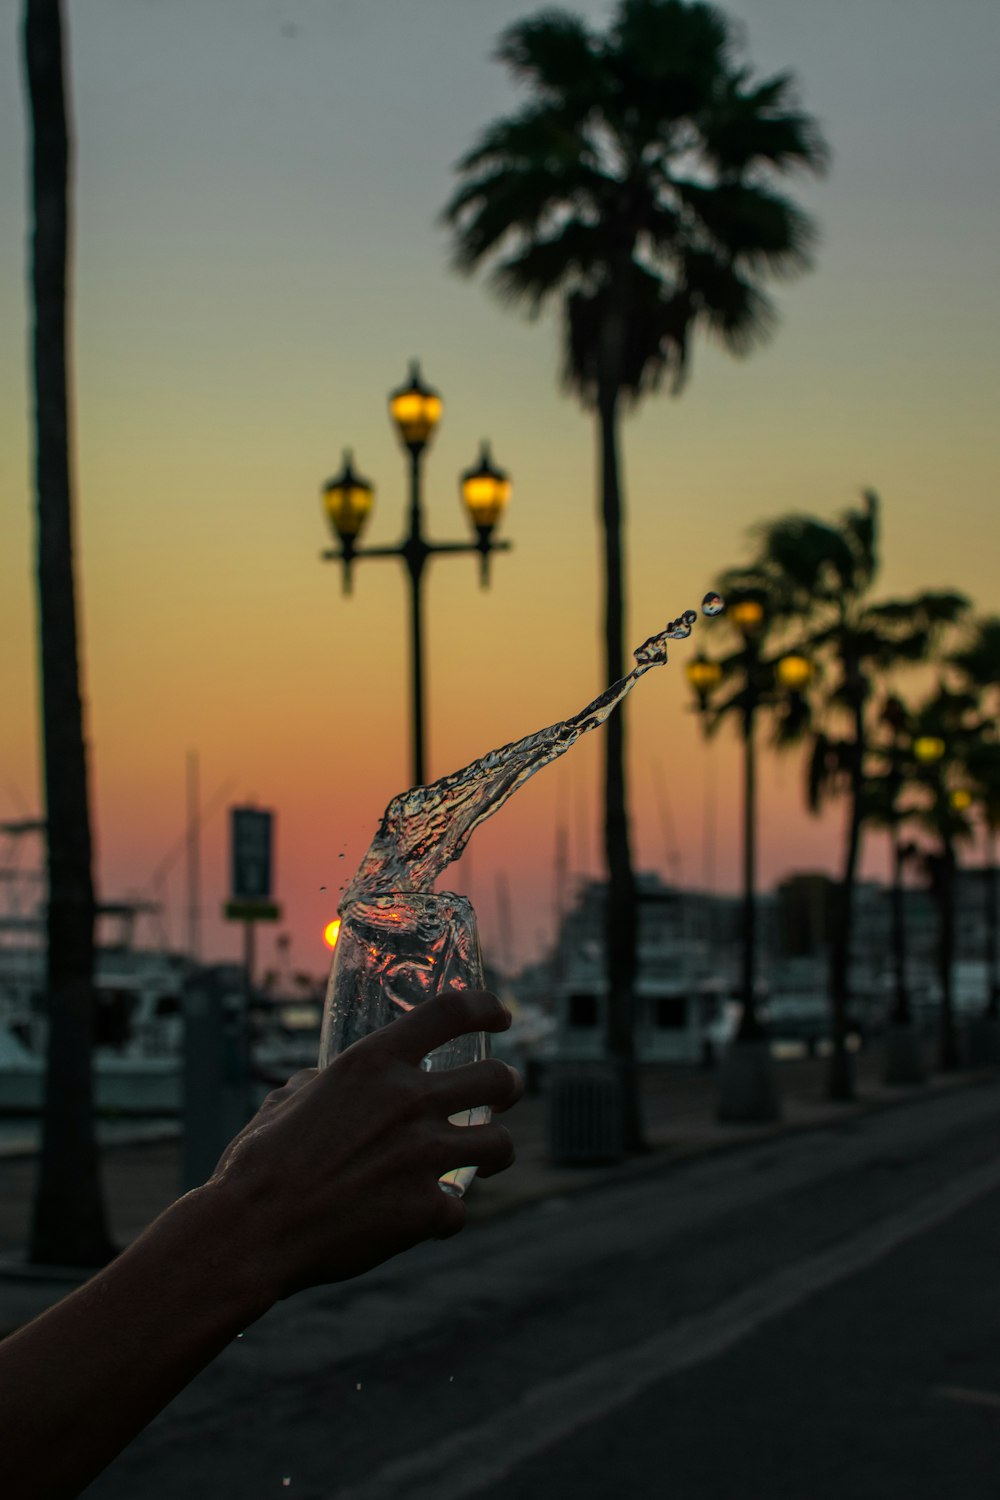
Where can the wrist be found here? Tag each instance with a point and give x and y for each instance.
(224, 1245)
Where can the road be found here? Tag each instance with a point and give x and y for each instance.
(811, 1318)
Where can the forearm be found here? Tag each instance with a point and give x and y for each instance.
(79, 1382)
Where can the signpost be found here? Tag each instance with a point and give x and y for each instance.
(252, 867)
(218, 1096)
(251, 875)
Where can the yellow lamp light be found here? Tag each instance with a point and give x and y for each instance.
(348, 499)
(485, 491)
(928, 748)
(794, 672)
(415, 409)
(747, 615)
(960, 798)
(331, 932)
(703, 675)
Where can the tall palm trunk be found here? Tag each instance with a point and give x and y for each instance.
(840, 1080)
(621, 919)
(69, 1225)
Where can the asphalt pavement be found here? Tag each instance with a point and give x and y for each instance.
(809, 1316)
(142, 1168)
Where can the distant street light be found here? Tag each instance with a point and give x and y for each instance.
(792, 674)
(348, 500)
(795, 672)
(747, 615)
(704, 677)
(929, 751)
(928, 748)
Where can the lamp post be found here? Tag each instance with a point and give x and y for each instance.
(748, 1091)
(704, 676)
(903, 1061)
(748, 616)
(348, 499)
(929, 751)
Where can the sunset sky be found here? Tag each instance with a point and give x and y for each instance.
(257, 261)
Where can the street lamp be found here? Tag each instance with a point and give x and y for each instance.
(485, 491)
(929, 751)
(704, 677)
(795, 672)
(748, 1091)
(348, 500)
(747, 614)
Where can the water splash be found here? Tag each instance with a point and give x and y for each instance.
(712, 604)
(425, 829)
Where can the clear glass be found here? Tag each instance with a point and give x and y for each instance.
(394, 952)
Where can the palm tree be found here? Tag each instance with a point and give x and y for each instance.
(978, 667)
(884, 808)
(824, 574)
(637, 186)
(753, 679)
(944, 724)
(982, 768)
(69, 1226)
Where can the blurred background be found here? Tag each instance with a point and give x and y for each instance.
(258, 258)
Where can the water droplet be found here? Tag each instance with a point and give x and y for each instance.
(241, 1335)
(340, 856)
(689, 616)
(450, 1379)
(358, 1386)
(712, 604)
(286, 1481)
(678, 630)
(322, 887)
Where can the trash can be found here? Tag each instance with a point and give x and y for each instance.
(584, 1111)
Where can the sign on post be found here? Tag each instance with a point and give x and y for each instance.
(252, 869)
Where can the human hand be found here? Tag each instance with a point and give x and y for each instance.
(338, 1170)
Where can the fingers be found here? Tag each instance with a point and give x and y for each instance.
(490, 1082)
(453, 1013)
(488, 1147)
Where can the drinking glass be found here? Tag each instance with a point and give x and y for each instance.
(393, 952)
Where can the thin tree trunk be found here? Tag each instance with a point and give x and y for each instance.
(69, 1225)
(750, 1027)
(840, 1080)
(621, 917)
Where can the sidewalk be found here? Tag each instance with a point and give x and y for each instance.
(141, 1177)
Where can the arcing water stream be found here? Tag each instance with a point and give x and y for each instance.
(425, 829)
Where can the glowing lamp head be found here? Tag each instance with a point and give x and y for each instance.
(485, 491)
(795, 672)
(928, 748)
(415, 409)
(331, 932)
(703, 675)
(747, 615)
(348, 499)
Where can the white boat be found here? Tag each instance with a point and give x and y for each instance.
(137, 1059)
